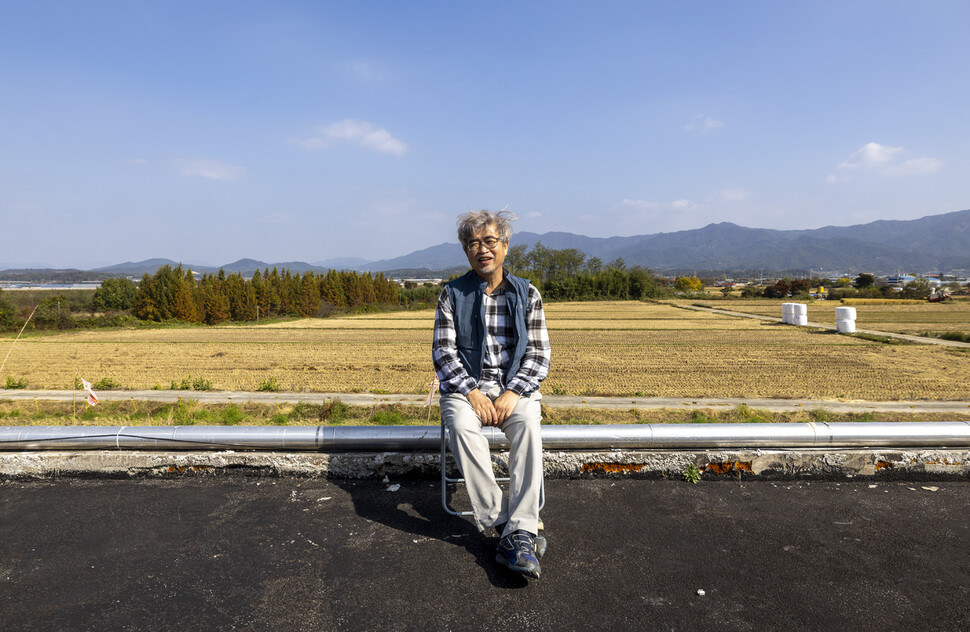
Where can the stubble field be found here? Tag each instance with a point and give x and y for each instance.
(599, 348)
(891, 316)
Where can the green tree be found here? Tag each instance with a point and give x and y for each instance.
(642, 284)
(155, 298)
(215, 305)
(517, 259)
(185, 307)
(917, 288)
(617, 264)
(309, 297)
(564, 263)
(780, 289)
(540, 261)
(7, 313)
(865, 280)
(54, 313)
(273, 285)
(241, 297)
(115, 294)
(260, 293)
(593, 265)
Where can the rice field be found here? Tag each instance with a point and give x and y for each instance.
(917, 319)
(599, 348)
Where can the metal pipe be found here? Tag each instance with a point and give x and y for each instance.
(953, 434)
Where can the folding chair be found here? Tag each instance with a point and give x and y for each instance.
(445, 480)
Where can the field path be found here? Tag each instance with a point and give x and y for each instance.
(553, 401)
(774, 319)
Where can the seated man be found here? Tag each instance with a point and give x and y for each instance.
(491, 351)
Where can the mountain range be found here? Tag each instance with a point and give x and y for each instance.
(930, 244)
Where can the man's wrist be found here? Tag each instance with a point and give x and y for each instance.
(467, 386)
(517, 387)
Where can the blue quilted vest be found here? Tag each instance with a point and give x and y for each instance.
(466, 298)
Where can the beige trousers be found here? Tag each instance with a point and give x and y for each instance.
(470, 450)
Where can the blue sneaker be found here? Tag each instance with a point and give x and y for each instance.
(517, 552)
(540, 540)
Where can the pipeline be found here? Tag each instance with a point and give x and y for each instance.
(954, 434)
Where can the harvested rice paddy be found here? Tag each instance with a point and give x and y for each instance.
(599, 348)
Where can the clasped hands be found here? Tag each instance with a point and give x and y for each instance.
(492, 413)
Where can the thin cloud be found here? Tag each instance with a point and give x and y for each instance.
(703, 124)
(732, 195)
(210, 169)
(354, 131)
(884, 160)
(640, 205)
(915, 167)
(650, 206)
(871, 155)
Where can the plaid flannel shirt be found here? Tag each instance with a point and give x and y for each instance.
(499, 346)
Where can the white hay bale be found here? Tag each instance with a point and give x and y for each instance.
(801, 320)
(845, 326)
(845, 313)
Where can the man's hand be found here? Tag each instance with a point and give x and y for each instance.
(484, 408)
(504, 405)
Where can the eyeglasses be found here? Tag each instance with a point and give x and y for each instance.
(474, 244)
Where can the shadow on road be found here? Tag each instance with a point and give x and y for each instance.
(415, 509)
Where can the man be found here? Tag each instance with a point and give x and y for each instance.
(491, 351)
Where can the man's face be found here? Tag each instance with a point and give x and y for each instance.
(483, 259)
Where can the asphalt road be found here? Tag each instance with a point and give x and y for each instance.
(239, 553)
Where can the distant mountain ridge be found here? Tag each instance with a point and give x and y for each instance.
(932, 243)
(929, 244)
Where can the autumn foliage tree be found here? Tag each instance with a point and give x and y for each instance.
(176, 293)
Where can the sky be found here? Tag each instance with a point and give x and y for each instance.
(285, 130)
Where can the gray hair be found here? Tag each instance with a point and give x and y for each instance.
(476, 221)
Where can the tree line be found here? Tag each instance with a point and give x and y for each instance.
(174, 293)
(569, 275)
(177, 294)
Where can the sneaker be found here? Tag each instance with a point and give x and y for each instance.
(517, 553)
(540, 540)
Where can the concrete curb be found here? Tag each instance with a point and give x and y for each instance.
(721, 464)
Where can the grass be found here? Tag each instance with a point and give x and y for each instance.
(886, 340)
(271, 384)
(188, 384)
(106, 384)
(957, 336)
(691, 474)
(12, 383)
(335, 412)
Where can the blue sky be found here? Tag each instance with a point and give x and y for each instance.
(206, 132)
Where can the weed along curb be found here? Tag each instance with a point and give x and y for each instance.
(691, 452)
